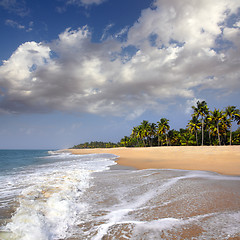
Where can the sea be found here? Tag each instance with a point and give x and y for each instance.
(55, 195)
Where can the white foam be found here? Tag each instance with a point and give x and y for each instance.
(50, 199)
(116, 216)
(222, 226)
(161, 224)
(53, 199)
(49, 208)
(119, 214)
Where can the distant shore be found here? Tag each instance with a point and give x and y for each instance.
(220, 159)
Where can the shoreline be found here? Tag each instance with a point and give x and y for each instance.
(220, 159)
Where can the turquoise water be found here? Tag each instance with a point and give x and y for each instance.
(15, 159)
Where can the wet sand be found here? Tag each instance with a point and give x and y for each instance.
(161, 204)
(221, 159)
(169, 204)
(125, 203)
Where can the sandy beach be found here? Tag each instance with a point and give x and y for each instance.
(220, 159)
(165, 203)
(90, 197)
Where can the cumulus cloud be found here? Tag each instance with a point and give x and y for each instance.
(176, 53)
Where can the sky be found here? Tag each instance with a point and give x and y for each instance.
(73, 71)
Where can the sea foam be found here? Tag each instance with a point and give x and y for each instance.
(80, 197)
(50, 196)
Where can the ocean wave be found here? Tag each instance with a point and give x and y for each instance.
(49, 196)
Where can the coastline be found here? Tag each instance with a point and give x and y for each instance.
(220, 159)
(121, 202)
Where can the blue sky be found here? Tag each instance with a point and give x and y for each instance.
(82, 70)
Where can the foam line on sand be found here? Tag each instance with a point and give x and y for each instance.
(220, 159)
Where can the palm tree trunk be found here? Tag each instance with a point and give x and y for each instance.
(202, 130)
(225, 138)
(231, 135)
(219, 141)
(196, 138)
(166, 140)
(209, 135)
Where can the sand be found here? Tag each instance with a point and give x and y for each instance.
(220, 159)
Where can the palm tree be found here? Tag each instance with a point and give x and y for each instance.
(152, 132)
(174, 137)
(193, 126)
(186, 138)
(236, 136)
(125, 141)
(209, 127)
(145, 126)
(224, 125)
(136, 133)
(215, 117)
(141, 134)
(201, 110)
(233, 114)
(159, 132)
(163, 128)
(237, 117)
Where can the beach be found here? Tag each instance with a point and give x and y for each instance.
(173, 193)
(141, 195)
(220, 159)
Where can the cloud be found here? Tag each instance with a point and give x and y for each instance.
(105, 31)
(14, 24)
(176, 54)
(190, 103)
(17, 82)
(85, 2)
(15, 6)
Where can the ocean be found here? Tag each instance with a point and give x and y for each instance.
(54, 195)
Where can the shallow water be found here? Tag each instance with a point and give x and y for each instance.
(80, 197)
(162, 204)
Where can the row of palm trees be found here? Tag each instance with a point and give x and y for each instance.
(148, 131)
(217, 122)
(214, 127)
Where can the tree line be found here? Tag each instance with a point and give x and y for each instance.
(206, 127)
(96, 144)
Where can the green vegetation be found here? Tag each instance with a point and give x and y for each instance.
(96, 145)
(205, 128)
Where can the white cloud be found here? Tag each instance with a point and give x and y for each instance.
(15, 6)
(237, 24)
(105, 31)
(190, 103)
(195, 23)
(85, 2)
(14, 24)
(233, 35)
(122, 32)
(178, 55)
